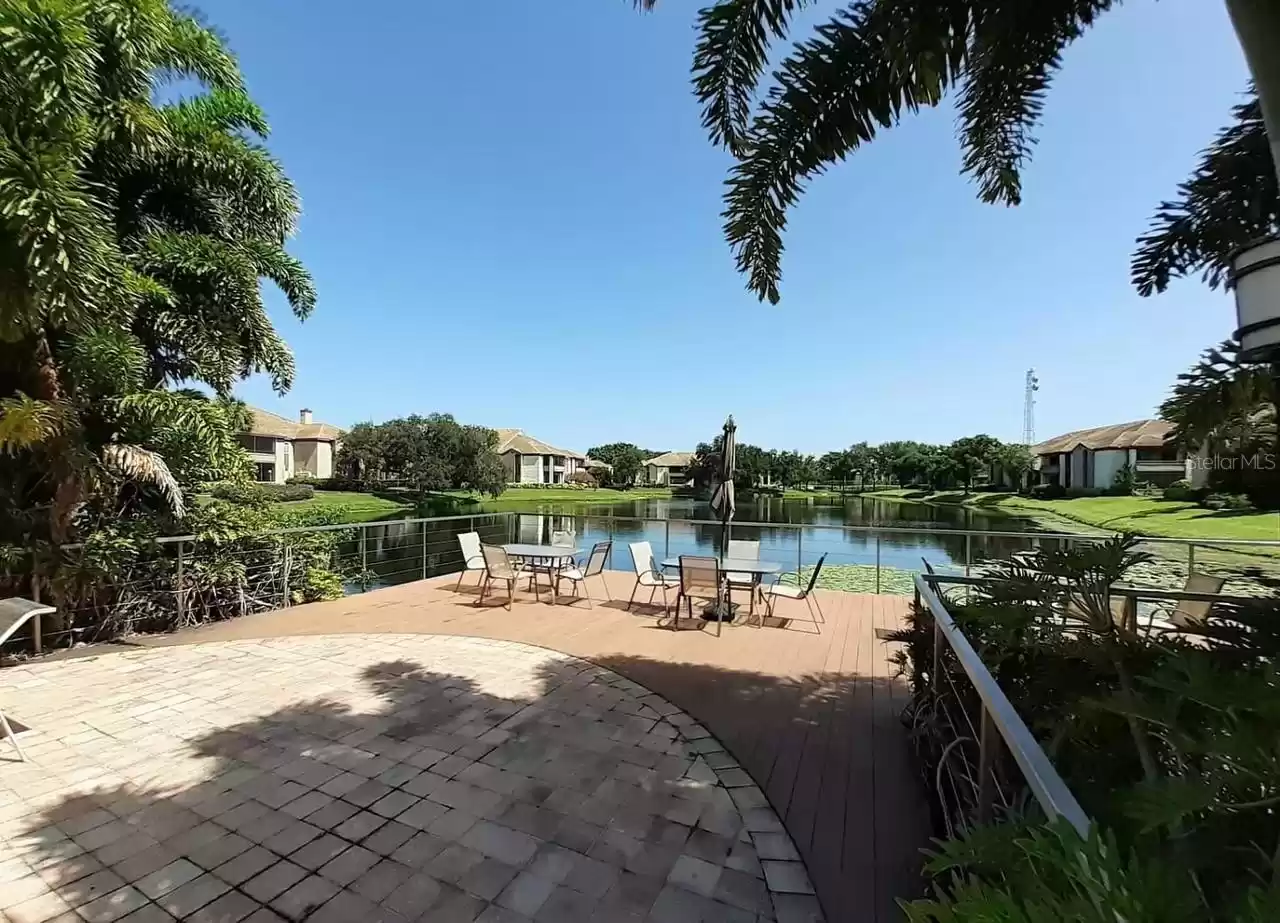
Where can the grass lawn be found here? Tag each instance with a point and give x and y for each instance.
(1143, 515)
(349, 500)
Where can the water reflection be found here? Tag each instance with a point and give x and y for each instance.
(790, 533)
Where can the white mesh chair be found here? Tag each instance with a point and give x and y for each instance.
(564, 539)
(14, 613)
(578, 576)
(498, 566)
(648, 575)
(788, 591)
(472, 556)
(738, 580)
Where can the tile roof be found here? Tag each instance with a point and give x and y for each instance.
(266, 423)
(1140, 434)
(514, 440)
(672, 460)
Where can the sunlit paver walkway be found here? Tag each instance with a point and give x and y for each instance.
(375, 777)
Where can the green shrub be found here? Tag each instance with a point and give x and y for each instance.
(1221, 501)
(583, 478)
(1048, 491)
(302, 477)
(1123, 484)
(1178, 490)
(351, 485)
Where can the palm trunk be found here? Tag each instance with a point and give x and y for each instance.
(1257, 24)
(69, 492)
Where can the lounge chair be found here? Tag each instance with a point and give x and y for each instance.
(498, 566)
(578, 576)
(648, 575)
(787, 591)
(472, 556)
(700, 578)
(14, 613)
(1190, 613)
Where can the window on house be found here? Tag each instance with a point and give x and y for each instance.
(261, 445)
(1163, 453)
(264, 473)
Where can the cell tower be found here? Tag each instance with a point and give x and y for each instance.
(1029, 408)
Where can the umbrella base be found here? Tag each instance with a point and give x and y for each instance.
(720, 612)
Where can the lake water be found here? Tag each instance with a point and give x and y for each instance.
(791, 532)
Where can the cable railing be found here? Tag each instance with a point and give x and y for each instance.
(176, 581)
(982, 757)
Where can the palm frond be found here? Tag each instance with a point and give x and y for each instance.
(194, 50)
(287, 272)
(733, 47)
(833, 94)
(27, 423)
(1231, 199)
(145, 467)
(217, 111)
(1015, 50)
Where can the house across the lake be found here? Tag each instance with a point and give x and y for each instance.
(281, 448)
(1091, 458)
(668, 469)
(532, 461)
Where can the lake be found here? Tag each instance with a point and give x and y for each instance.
(791, 532)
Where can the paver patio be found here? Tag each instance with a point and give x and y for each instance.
(378, 775)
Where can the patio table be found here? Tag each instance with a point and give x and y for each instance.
(542, 557)
(753, 566)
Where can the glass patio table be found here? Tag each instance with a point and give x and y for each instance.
(756, 568)
(545, 559)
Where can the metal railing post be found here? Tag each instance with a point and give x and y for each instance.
(799, 555)
(988, 744)
(424, 551)
(666, 547)
(288, 564)
(937, 654)
(610, 561)
(877, 563)
(364, 550)
(1191, 558)
(968, 552)
(181, 599)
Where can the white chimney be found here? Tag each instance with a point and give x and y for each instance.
(304, 415)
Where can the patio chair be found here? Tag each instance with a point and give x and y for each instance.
(781, 590)
(648, 575)
(1190, 613)
(739, 580)
(578, 576)
(14, 613)
(472, 556)
(700, 578)
(498, 566)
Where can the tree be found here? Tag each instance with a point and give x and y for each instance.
(971, 454)
(133, 238)
(625, 459)
(1016, 461)
(430, 453)
(880, 59)
(1229, 407)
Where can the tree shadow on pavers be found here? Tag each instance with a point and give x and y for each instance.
(831, 755)
(290, 808)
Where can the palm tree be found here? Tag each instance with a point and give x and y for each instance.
(875, 61)
(133, 237)
(1232, 199)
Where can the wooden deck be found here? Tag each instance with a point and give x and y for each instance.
(813, 717)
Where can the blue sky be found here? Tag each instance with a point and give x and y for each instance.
(512, 215)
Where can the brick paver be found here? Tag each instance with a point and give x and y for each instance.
(414, 776)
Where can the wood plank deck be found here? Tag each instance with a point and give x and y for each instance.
(812, 717)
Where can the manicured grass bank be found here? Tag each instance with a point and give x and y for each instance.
(1142, 515)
